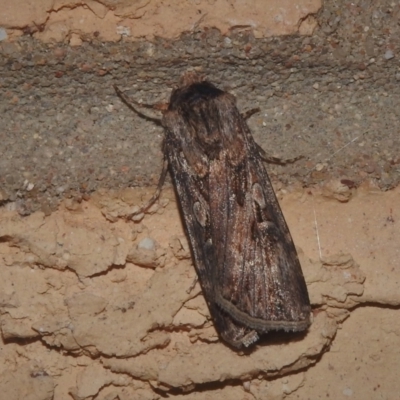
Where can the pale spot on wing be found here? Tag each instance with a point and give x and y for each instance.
(258, 195)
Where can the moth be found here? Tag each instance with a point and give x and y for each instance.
(243, 252)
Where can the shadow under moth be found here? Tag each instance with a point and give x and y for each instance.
(243, 252)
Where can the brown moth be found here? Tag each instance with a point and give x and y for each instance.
(243, 252)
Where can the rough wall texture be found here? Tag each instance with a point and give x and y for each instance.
(109, 20)
(331, 97)
(99, 307)
(93, 306)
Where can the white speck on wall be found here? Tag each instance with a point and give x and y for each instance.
(147, 243)
(3, 34)
(123, 30)
(348, 392)
(347, 275)
(389, 55)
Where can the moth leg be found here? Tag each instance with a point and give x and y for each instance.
(264, 156)
(155, 116)
(152, 113)
(275, 160)
(250, 338)
(156, 194)
(247, 114)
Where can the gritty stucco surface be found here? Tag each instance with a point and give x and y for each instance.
(96, 306)
(331, 97)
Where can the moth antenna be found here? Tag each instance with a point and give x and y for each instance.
(152, 112)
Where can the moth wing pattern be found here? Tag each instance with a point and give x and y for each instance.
(259, 281)
(243, 252)
(193, 200)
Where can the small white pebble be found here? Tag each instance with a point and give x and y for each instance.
(138, 217)
(347, 392)
(388, 54)
(147, 243)
(3, 34)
